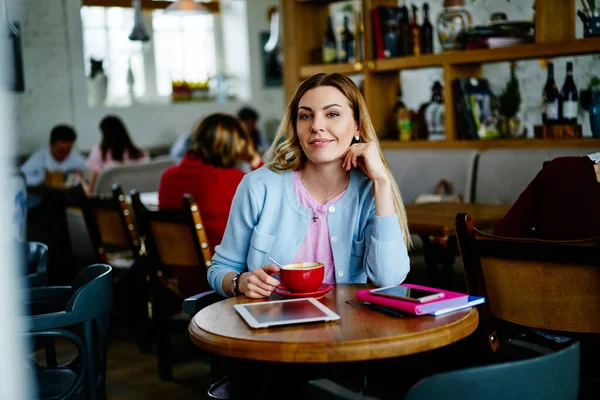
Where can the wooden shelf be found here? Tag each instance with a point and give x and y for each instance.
(493, 144)
(524, 51)
(555, 35)
(307, 71)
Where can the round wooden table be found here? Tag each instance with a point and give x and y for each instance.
(360, 334)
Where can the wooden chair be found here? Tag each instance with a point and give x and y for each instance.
(547, 285)
(111, 227)
(178, 255)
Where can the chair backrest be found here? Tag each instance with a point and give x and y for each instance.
(35, 256)
(175, 240)
(535, 283)
(550, 376)
(91, 304)
(143, 176)
(92, 293)
(418, 171)
(110, 223)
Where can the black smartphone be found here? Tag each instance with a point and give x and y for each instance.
(408, 293)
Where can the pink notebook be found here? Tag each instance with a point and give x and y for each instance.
(450, 299)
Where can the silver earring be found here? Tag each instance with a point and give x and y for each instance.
(357, 138)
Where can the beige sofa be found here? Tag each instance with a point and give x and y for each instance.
(490, 176)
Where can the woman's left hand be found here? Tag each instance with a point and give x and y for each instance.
(366, 156)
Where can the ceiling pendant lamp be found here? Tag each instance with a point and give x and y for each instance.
(138, 33)
(188, 6)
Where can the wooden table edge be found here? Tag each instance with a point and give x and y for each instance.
(349, 351)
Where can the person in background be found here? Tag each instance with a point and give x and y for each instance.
(58, 156)
(249, 118)
(116, 148)
(561, 203)
(327, 195)
(209, 172)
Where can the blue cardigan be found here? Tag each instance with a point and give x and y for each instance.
(266, 219)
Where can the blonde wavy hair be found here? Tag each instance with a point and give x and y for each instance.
(287, 154)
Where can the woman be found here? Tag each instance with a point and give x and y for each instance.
(208, 172)
(115, 148)
(327, 196)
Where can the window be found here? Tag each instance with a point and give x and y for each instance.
(181, 48)
(184, 49)
(105, 32)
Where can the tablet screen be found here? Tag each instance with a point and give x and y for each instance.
(283, 312)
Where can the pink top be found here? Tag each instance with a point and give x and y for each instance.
(95, 163)
(316, 247)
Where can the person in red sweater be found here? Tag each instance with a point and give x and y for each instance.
(561, 203)
(210, 172)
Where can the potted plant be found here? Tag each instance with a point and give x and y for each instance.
(509, 103)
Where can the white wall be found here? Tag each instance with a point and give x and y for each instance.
(47, 98)
(15, 377)
(56, 84)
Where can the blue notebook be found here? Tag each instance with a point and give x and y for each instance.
(472, 301)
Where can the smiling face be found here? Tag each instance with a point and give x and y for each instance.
(325, 124)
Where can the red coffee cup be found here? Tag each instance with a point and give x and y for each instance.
(303, 277)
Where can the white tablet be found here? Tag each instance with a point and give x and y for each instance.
(284, 312)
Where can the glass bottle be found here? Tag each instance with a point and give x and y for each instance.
(405, 39)
(329, 44)
(451, 21)
(426, 32)
(550, 99)
(569, 98)
(414, 32)
(347, 53)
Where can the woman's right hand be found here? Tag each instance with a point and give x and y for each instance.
(258, 284)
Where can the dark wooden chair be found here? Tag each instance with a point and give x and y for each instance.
(178, 256)
(111, 227)
(552, 286)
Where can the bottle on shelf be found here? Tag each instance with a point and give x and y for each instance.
(406, 47)
(415, 32)
(426, 32)
(430, 115)
(329, 44)
(550, 99)
(347, 38)
(403, 119)
(569, 98)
